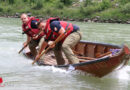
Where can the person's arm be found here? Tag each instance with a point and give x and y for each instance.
(61, 34)
(34, 26)
(44, 45)
(27, 41)
(56, 27)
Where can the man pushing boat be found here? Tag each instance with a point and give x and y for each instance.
(34, 35)
(65, 36)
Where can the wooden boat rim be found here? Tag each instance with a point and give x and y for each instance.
(105, 44)
(85, 63)
(101, 56)
(82, 63)
(95, 60)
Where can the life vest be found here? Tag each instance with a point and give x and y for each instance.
(54, 35)
(29, 30)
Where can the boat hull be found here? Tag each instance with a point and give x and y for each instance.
(99, 63)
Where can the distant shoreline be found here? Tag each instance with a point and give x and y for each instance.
(96, 19)
(102, 11)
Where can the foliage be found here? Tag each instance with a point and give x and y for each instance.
(1, 9)
(105, 4)
(25, 0)
(11, 1)
(73, 9)
(39, 4)
(126, 8)
(124, 1)
(87, 2)
(66, 2)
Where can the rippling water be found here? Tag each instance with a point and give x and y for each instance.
(18, 73)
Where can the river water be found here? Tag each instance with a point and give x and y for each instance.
(18, 73)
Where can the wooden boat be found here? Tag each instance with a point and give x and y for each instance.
(98, 59)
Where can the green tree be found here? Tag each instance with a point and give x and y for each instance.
(124, 1)
(25, 0)
(66, 2)
(32, 1)
(39, 4)
(87, 2)
(126, 8)
(11, 2)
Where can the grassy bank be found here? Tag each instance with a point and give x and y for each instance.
(95, 10)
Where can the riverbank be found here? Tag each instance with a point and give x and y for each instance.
(96, 19)
(104, 11)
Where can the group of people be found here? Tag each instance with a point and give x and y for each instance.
(41, 32)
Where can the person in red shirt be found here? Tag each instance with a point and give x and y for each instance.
(34, 35)
(67, 35)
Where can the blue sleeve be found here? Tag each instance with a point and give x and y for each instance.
(55, 26)
(33, 24)
(75, 27)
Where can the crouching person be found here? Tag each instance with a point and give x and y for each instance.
(34, 35)
(66, 34)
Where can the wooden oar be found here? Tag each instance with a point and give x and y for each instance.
(24, 47)
(55, 42)
(75, 52)
(43, 52)
(29, 42)
(104, 54)
(88, 58)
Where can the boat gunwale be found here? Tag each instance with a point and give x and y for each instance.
(95, 60)
(85, 63)
(105, 44)
(108, 58)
